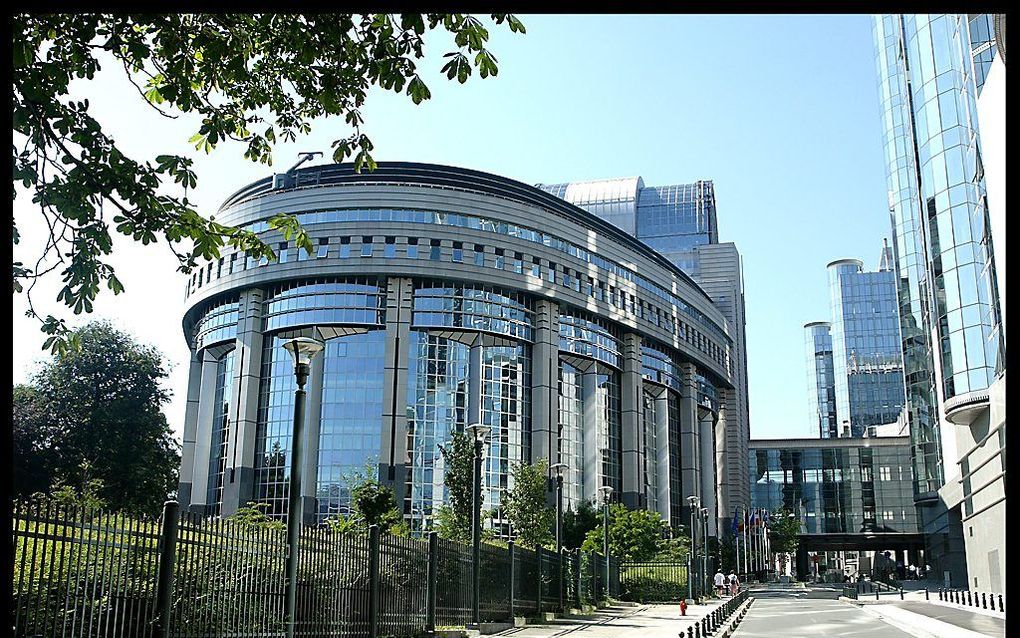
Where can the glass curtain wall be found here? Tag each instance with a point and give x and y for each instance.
(220, 431)
(350, 418)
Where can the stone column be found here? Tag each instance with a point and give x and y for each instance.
(545, 383)
(662, 444)
(313, 422)
(239, 469)
(203, 433)
(631, 422)
(595, 435)
(393, 456)
(184, 489)
(690, 459)
(709, 480)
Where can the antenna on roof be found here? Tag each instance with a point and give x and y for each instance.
(305, 156)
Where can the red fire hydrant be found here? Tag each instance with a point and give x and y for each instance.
(683, 606)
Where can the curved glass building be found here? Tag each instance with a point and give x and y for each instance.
(447, 297)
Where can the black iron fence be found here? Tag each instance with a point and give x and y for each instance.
(95, 573)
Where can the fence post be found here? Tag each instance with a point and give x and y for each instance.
(373, 581)
(167, 556)
(538, 556)
(513, 581)
(577, 573)
(432, 583)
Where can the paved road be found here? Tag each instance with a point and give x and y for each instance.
(810, 614)
(988, 625)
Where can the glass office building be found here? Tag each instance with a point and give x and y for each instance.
(446, 297)
(680, 222)
(931, 68)
(821, 382)
(845, 486)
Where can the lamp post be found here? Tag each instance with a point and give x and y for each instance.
(692, 501)
(303, 349)
(606, 491)
(480, 433)
(559, 468)
(704, 550)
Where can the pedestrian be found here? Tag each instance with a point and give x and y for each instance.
(720, 583)
(734, 584)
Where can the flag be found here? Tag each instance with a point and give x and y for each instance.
(735, 528)
(754, 519)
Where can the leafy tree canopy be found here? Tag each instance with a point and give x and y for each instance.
(92, 422)
(255, 79)
(453, 519)
(524, 504)
(633, 534)
(577, 524)
(784, 528)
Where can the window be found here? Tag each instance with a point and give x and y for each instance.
(390, 250)
(345, 247)
(434, 252)
(323, 248)
(366, 246)
(412, 247)
(458, 252)
(479, 255)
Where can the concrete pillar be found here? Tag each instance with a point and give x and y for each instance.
(394, 461)
(545, 383)
(595, 435)
(632, 423)
(727, 473)
(313, 421)
(662, 443)
(203, 433)
(185, 486)
(709, 482)
(690, 459)
(239, 469)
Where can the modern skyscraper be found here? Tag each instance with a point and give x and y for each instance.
(679, 222)
(931, 68)
(821, 384)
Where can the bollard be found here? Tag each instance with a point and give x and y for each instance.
(690, 632)
(926, 593)
(901, 593)
(1001, 608)
(984, 605)
(968, 598)
(940, 593)
(697, 630)
(876, 594)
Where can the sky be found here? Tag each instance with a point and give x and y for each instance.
(781, 112)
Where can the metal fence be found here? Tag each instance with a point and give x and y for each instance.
(96, 573)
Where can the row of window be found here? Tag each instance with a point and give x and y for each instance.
(507, 229)
(500, 259)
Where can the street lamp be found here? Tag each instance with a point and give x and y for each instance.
(704, 553)
(480, 432)
(559, 468)
(606, 491)
(692, 502)
(303, 349)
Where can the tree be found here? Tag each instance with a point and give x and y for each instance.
(30, 439)
(633, 534)
(524, 504)
(453, 519)
(254, 79)
(577, 524)
(96, 413)
(784, 534)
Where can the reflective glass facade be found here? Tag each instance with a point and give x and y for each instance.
(942, 243)
(821, 380)
(495, 305)
(866, 356)
(836, 488)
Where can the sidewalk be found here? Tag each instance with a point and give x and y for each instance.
(937, 621)
(638, 621)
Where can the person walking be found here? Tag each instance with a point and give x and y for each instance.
(720, 583)
(734, 584)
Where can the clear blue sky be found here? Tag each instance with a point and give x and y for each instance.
(781, 112)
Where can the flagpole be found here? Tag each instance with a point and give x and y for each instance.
(746, 564)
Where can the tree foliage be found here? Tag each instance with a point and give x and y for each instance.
(524, 504)
(453, 518)
(95, 414)
(633, 534)
(577, 524)
(784, 529)
(252, 78)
